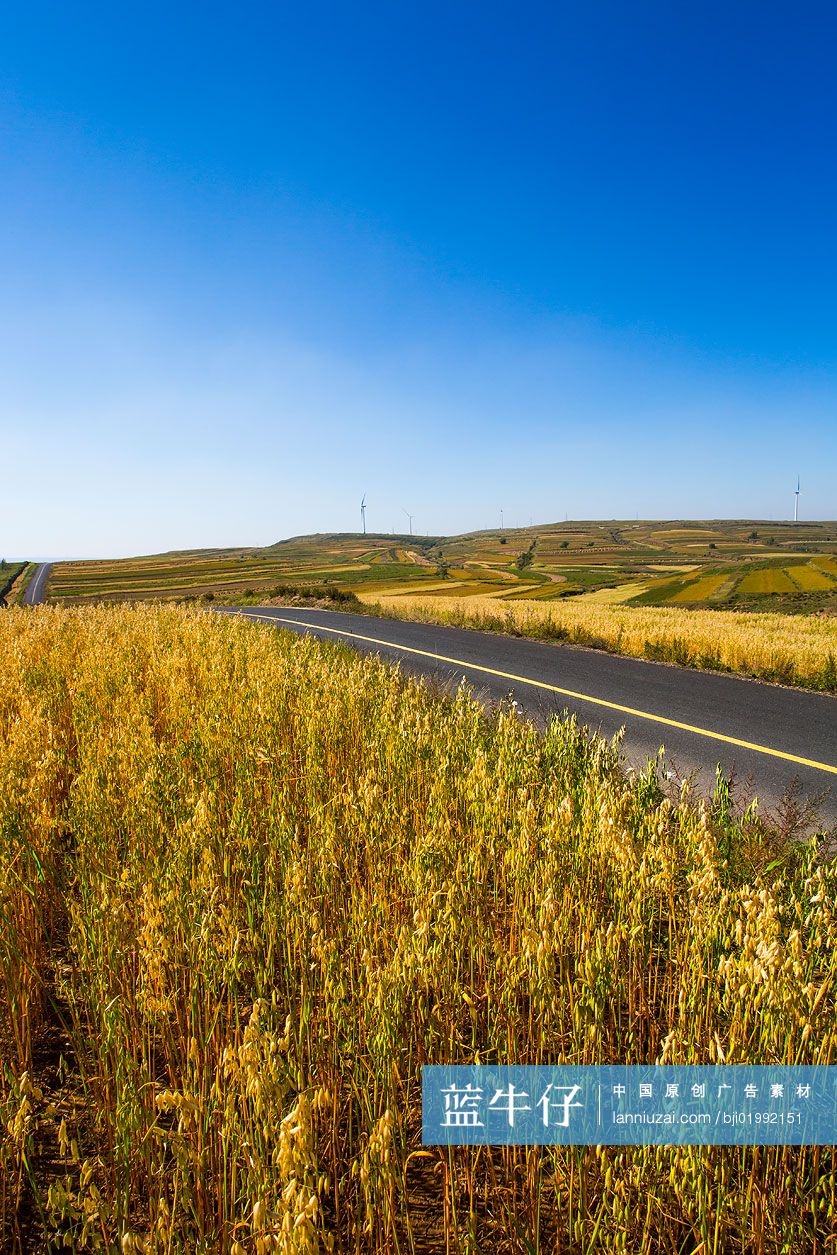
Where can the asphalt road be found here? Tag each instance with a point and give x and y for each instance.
(35, 588)
(778, 742)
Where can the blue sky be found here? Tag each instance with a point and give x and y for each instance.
(561, 259)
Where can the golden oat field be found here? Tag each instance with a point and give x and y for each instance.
(250, 884)
(791, 649)
(809, 578)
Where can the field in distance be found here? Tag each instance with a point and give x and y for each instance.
(788, 567)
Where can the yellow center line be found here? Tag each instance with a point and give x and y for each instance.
(554, 688)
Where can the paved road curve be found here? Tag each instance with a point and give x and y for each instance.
(773, 738)
(35, 588)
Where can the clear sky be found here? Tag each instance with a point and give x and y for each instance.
(560, 259)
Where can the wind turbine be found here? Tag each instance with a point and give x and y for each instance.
(796, 502)
(410, 517)
(363, 512)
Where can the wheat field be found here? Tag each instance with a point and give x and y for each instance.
(250, 883)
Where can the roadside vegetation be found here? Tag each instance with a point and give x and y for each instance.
(795, 650)
(9, 574)
(250, 883)
(326, 596)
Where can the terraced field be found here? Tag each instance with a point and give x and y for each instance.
(225, 574)
(745, 584)
(776, 566)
